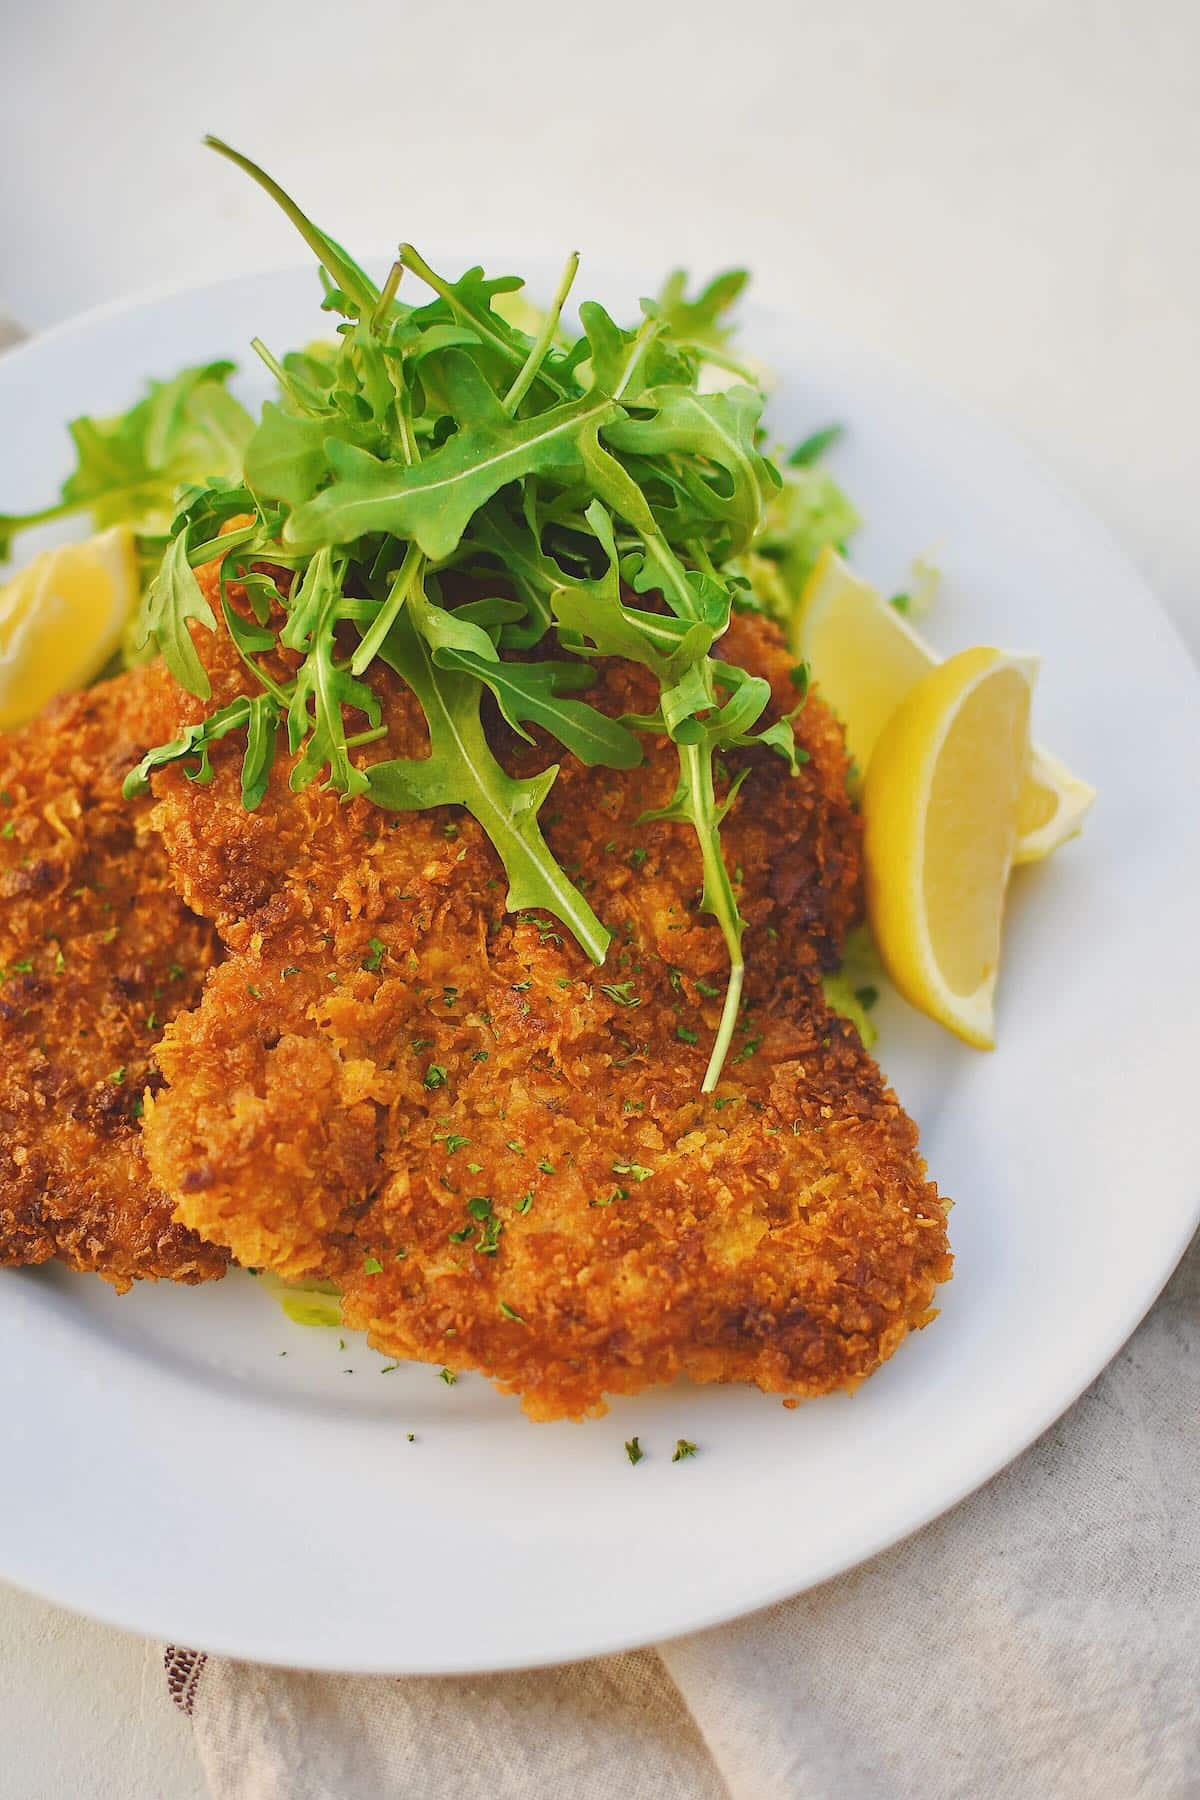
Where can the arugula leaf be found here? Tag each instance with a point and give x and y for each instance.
(812, 448)
(461, 770)
(257, 715)
(286, 459)
(532, 692)
(698, 321)
(708, 430)
(809, 512)
(129, 468)
(174, 597)
(434, 501)
(316, 726)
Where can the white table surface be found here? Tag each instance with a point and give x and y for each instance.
(1002, 196)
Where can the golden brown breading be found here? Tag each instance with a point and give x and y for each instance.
(500, 1152)
(97, 952)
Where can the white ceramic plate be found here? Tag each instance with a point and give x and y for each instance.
(167, 1468)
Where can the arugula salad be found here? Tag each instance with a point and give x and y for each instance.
(608, 489)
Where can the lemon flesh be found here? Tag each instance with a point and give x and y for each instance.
(940, 808)
(866, 658)
(62, 618)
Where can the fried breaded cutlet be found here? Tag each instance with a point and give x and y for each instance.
(501, 1153)
(97, 953)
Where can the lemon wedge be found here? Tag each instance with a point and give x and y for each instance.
(865, 658)
(61, 618)
(940, 808)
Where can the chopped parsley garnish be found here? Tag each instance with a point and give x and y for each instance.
(622, 992)
(634, 1451)
(372, 1265)
(510, 1312)
(377, 950)
(638, 857)
(8, 829)
(685, 1034)
(116, 1076)
(524, 1203)
(635, 1170)
(618, 1193)
(435, 1076)
(683, 1449)
(448, 1376)
(546, 1166)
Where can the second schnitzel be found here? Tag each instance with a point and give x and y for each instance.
(97, 953)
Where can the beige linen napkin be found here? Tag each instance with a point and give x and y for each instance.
(1041, 1642)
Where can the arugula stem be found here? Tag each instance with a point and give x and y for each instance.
(281, 695)
(412, 259)
(646, 334)
(695, 762)
(544, 338)
(341, 266)
(387, 295)
(11, 523)
(271, 360)
(368, 649)
(223, 545)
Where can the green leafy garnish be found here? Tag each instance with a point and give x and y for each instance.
(450, 493)
(130, 468)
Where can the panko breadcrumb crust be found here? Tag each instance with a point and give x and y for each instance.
(498, 1151)
(97, 952)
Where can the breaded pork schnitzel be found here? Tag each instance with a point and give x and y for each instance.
(97, 952)
(501, 1153)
